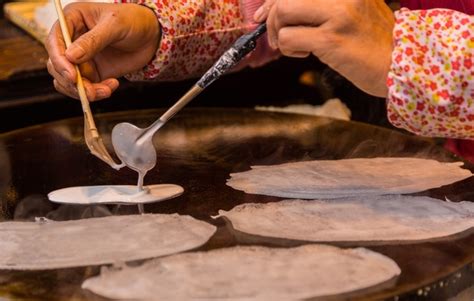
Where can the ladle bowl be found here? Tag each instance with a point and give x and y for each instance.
(134, 148)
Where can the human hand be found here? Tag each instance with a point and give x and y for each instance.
(109, 41)
(354, 37)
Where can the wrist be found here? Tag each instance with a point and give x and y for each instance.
(153, 31)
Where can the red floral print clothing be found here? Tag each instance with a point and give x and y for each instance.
(463, 148)
(431, 82)
(465, 6)
(194, 33)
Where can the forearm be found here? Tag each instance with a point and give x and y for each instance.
(431, 81)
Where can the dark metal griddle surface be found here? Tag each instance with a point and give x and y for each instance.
(197, 150)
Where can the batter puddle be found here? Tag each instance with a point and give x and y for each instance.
(115, 194)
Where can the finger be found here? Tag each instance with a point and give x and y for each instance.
(112, 83)
(88, 45)
(271, 28)
(300, 41)
(56, 49)
(296, 54)
(101, 90)
(66, 90)
(94, 92)
(302, 12)
(105, 88)
(90, 89)
(262, 13)
(63, 80)
(89, 71)
(71, 90)
(101, 93)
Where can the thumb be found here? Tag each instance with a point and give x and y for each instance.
(92, 42)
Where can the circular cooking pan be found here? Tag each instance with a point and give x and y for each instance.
(197, 150)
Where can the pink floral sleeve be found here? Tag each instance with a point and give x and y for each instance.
(431, 82)
(195, 33)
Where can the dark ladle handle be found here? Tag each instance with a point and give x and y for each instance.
(243, 46)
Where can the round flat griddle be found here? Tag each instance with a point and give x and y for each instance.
(197, 150)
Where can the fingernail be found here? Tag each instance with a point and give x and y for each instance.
(258, 16)
(75, 52)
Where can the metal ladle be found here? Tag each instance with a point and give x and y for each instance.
(134, 145)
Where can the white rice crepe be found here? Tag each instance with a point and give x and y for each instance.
(250, 273)
(367, 219)
(348, 177)
(47, 244)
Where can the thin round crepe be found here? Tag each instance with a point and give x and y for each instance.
(115, 194)
(348, 177)
(250, 273)
(356, 219)
(47, 244)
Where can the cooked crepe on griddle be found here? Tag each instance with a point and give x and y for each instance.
(348, 177)
(355, 219)
(48, 244)
(249, 273)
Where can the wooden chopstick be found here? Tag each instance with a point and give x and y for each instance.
(79, 82)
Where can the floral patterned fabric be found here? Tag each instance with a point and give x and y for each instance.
(461, 147)
(431, 82)
(194, 33)
(465, 6)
